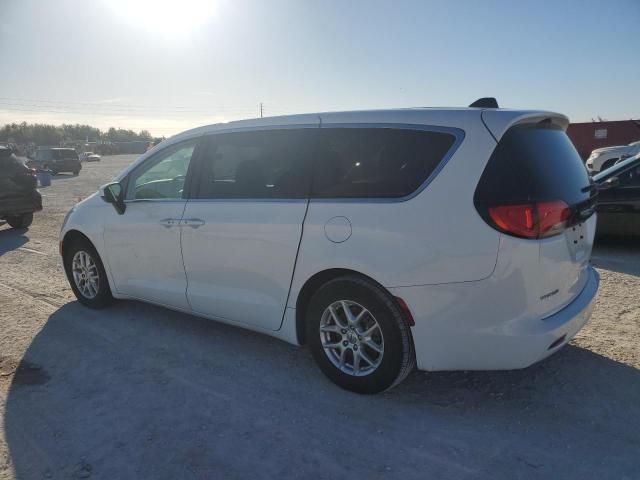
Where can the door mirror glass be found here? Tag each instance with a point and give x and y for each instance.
(112, 193)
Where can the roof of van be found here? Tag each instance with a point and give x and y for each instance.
(497, 122)
(496, 119)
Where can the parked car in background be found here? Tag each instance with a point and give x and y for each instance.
(57, 160)
(19, 197)
(603, 158)
(89, 157)
(381, 239)
(619, 198)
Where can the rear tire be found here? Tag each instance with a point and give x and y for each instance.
(369, 354)
(20, 221)
(86, 275)
(76, 173)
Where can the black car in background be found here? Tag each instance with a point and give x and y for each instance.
(57, 160)
(19, 197)
(618, 204)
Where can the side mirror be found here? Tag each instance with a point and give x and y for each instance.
(609, 183)
(112, 193)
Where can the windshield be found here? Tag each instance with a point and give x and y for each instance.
(617, 167)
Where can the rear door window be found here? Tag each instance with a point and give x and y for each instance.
(376, 162)
(257, 165)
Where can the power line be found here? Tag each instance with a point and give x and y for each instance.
(128, 110)
(45, 109)
(119, 106)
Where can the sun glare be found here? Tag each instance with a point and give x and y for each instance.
(165, 18)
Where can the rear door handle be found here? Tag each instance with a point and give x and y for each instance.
(193, 222)
(169, 222)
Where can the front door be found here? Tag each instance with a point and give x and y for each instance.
(240, 236)
(143, 244)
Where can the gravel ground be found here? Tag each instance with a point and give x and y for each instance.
(142, 392)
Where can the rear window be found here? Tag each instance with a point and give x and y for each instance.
(7, 158)
(59, 154)
(534, 163)
(376, 162)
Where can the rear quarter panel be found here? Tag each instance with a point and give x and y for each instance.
(433, 238)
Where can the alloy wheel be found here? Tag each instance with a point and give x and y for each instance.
(85, 274)
(351, 338)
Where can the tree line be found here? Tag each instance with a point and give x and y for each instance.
(44, 134)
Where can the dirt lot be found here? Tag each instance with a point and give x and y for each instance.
(142, 392)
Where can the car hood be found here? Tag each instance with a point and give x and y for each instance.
(620, 148)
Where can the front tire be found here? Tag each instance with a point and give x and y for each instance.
(358, 335)
(21, 221)
(86, 275)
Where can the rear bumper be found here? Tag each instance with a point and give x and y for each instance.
(453, 332)
(20, 205)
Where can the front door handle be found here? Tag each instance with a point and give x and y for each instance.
(192, 222)
(169, 222)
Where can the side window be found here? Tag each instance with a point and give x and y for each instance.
(253, 165)
(376, 162)
(163, 175)
(631, 178)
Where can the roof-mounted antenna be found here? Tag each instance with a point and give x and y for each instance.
(486, 102)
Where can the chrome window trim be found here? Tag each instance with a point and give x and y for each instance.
(156, 200)
(260, 128)
(248, 200)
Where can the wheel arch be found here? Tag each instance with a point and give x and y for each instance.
(73, 236)
(317, 280)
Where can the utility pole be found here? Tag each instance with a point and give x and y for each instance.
(260, 109)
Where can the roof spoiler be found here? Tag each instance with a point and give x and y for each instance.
(485, 102)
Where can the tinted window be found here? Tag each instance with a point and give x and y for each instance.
(631, 177)
(163, 175)
(616, 168)
(43, 154)
(67, 153)
(266, 164)
(8, 161)
(533, 163)
(376, 162)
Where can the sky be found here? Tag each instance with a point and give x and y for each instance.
(170, 65)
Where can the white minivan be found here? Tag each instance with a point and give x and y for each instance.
(454, 239)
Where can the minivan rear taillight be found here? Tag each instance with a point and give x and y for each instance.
(531, 220)
(534, 184)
